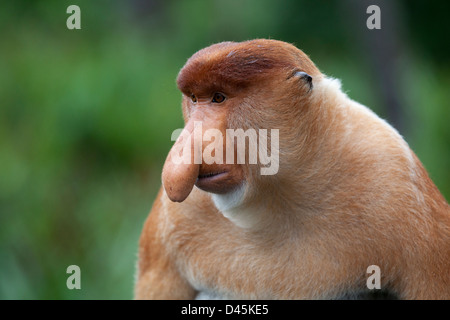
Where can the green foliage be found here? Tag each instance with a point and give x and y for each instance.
(86, 117)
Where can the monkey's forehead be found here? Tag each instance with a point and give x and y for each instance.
(235, 65)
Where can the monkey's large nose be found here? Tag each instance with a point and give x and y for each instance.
(180, 172)
(178, 180)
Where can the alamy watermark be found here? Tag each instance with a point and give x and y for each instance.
(74, 280)
(374, 280)
(374, 20)
(213, 152)
(74, 20)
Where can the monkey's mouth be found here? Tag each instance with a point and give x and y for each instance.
(211, 175)
(215, 182)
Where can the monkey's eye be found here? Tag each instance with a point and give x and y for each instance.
(218, 97)
(193, 98)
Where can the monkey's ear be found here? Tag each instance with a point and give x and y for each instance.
(304, 77)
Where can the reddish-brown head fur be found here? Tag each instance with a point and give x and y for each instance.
(233, 66)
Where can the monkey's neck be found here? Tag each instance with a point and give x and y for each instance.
(311, 168)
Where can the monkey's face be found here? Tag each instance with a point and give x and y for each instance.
(233, 93)
(208, 114)
(209, 157)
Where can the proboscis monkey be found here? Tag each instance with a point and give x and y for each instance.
(348, 193)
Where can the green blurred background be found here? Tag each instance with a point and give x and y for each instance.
(86, 115)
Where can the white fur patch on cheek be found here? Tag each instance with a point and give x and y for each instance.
(230, 205)
(229, 201)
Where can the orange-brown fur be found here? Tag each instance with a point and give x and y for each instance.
(349, 194)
